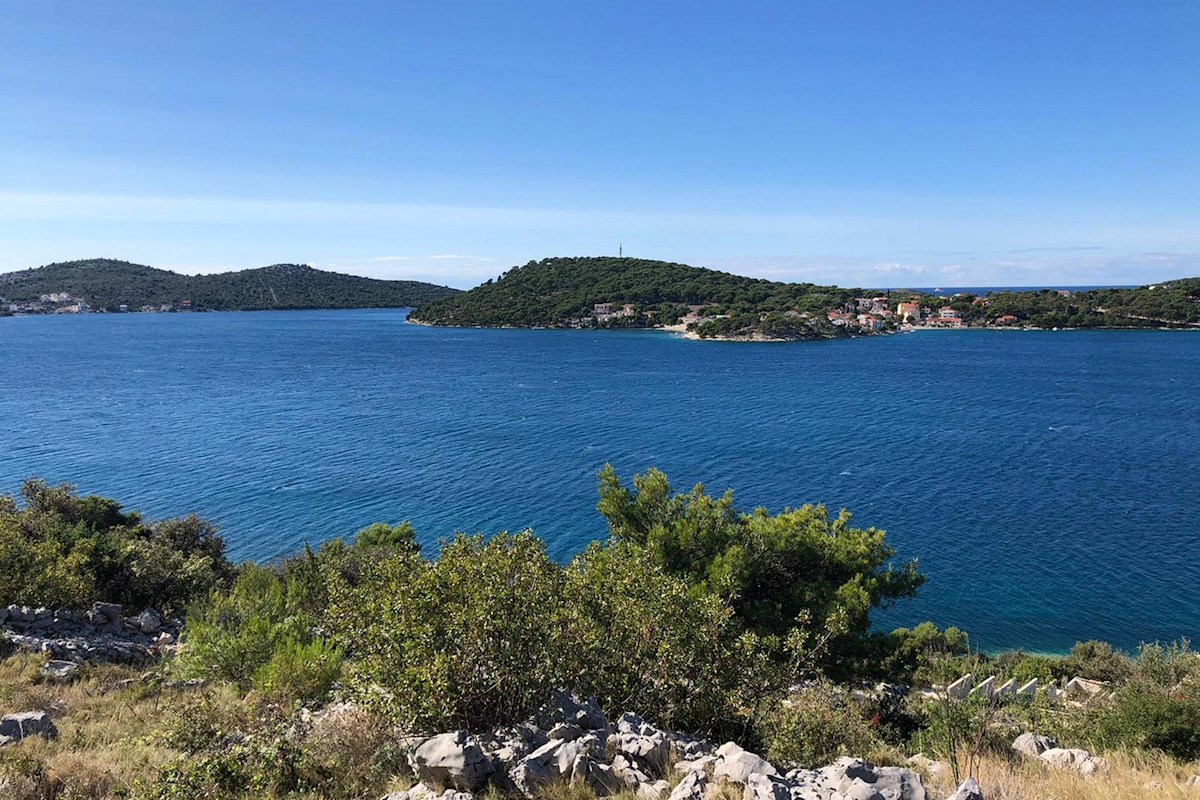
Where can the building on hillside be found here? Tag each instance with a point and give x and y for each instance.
(946, 312)
(868, 322)
(945, 322)
(1006, 319)
(909, 312)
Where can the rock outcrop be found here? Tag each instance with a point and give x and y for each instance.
(15, 727)
(100, 634)
(570, 741)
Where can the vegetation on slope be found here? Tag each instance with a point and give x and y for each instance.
(563, 292)
(62, 550)
(1170, 304)
(108, 284)
(700, 616)
(554, 291)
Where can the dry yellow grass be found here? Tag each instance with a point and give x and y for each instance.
(106, 726)
(1131, 775)
(110, 737)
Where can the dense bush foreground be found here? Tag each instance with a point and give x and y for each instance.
(701, 617)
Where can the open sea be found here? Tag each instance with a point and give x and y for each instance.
(1047, 481)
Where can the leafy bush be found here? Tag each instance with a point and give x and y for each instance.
(64, 550)
(401, 537)
(774, 570)
(253, 637)
(1096, 661)
(1156, 707)
(481, 636)
(815, 726)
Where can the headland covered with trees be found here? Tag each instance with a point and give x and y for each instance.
(140, 662)
(608, 292)
(102, 284)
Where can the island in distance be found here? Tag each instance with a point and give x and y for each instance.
(614, 292)
(106, 285)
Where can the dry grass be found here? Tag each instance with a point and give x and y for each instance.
(106, 724)
(111, 736)
(1131, 775)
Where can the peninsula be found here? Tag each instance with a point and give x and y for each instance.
(102, 284)
(607, 292)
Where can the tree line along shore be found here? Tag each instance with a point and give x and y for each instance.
(138, 661)
(606, 292)
(107, 285)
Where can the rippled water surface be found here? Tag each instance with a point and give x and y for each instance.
(1047, 481)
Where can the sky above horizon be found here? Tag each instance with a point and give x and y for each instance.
(867, 143)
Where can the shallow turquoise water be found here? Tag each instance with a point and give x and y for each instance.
(1047, 481)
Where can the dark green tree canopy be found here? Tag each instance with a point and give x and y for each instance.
(799, 567)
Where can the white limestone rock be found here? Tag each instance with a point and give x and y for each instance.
(450, 760)
(735, 764)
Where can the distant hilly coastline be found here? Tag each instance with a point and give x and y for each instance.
(109, 285)
(607, 292)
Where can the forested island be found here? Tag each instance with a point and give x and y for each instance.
(107, 285)
(137, 661)
(607, 292)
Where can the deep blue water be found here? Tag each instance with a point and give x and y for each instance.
(1047, 481)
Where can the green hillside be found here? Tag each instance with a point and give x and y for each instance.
(554, 291)
(108, 284)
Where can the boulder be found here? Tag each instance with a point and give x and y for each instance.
(567, 707)
(967, 790)
(766, 787)
(553, 760)
(3, 614)
(1033, 744)
(597, 776)
(853, 776)
(450, 760)
(27, 723)
(648, 752)
(60, 670)
(148, 621)
(701, 764)
(735, 765)
(934, 769)
(654, 790)
(691, 787)
(858, 789)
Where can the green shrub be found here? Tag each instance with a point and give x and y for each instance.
(482, 636)
(64, 550)
(477, 637)
(796, 568)
(1096, 661)
(398, 537)
(251, 637)
(299, 670)
(815, 726)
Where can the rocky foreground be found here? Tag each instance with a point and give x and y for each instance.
(571, 741)
(102, 634)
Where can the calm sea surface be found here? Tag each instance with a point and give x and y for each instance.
(1047, 481)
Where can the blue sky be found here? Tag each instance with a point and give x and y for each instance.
(866, 143)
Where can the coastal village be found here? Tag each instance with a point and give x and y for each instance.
(862, 315)
(65, 303)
